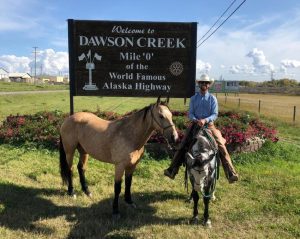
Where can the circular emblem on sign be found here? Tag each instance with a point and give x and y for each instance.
(176, 68)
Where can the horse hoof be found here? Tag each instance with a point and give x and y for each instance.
(72, 195)
(207, 223)
(194, 221)
(133, 205)
(116, 216)
(213, 197)
(189, 200)
(89, 194)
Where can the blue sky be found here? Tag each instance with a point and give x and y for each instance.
(263, 36)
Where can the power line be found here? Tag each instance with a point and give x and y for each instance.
(221, 24)
(216, 21)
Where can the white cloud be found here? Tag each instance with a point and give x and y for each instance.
(48, 62)
(234, 69)
(13, 63)
(290, 63)
(53, 62)
(274, 40)
(202, 67)
(259, 61)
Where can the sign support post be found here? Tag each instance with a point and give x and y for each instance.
(71, 63)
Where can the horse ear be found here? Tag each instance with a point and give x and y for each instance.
(166, 101)
(158, 100)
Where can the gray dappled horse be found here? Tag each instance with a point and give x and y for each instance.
(202, 169)
(119, 142)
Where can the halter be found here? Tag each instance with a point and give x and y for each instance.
(156, 121)
(163, 128)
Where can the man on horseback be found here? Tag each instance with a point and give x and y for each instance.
(203, 111)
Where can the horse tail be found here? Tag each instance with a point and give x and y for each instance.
(65, 171)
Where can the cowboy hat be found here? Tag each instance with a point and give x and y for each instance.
(205, 78)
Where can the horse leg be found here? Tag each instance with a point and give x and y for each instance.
(206, 221)
(66, 154)
(195, 196)
(69, 157)
(119, 171)
(128, 181)
(81, 170)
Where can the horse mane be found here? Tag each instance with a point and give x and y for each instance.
(145, 110)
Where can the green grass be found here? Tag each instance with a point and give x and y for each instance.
(33, 203)
(32, 103)
(14, 86)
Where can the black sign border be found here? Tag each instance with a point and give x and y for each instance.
(71, 47)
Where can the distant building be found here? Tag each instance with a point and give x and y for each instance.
(225, 87)
(3, 74)
(20, 77)
(53, 79)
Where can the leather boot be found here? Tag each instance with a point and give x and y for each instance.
(230, 173)
(177, 161)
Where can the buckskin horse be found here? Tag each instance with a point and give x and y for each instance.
(202, 165)
(119, 142)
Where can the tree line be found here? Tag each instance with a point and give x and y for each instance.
(285, 82)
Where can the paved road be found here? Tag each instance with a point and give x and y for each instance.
(31, 92)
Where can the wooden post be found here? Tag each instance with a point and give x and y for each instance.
(71, 63)
(294, 116)
(225, 99)
(184, 101)
(259, 102)
(239, 103)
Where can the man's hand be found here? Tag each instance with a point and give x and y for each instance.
(201, 122)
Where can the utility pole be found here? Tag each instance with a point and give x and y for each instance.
(35, 52)
(272, 75)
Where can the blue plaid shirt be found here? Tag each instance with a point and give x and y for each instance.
(203, 107)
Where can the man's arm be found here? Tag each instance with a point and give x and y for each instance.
(214, 111)
(192, 116)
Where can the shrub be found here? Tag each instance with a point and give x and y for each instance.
(42, 129)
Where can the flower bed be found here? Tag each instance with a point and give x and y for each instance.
(42, 129)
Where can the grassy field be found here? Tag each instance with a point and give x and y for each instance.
(30, 103)
(278, 106)
(265, 203)
(14, 86)
(33, 203)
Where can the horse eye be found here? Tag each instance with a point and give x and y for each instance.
(161, 116)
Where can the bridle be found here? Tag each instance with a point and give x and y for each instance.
(157, 122)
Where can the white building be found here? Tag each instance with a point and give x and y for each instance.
(20, 77)
(3, 74)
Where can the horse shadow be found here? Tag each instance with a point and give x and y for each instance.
(21, 207)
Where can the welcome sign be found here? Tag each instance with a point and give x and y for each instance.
(118, 58)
